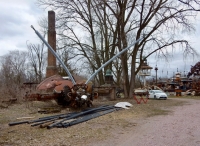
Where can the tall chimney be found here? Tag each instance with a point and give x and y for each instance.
(51, 67)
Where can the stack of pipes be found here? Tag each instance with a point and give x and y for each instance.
(69, 119)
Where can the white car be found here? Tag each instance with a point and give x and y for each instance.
(157, 94)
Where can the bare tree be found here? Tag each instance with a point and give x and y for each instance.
(13, 73)
(37, 58)
(91, 35)
(37, 55)
(66, 58)
(98, 29)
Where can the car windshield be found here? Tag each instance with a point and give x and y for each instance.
(158, 91)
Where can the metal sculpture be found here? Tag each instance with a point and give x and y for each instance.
(69, 92)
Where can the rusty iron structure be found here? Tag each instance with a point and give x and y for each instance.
(69, 92)
(63, 92)
(194, 74)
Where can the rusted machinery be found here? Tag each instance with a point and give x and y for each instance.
(63, 92)
(69, 92)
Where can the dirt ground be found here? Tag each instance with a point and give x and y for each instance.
(158, 122)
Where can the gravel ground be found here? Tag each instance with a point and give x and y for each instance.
(179, 128)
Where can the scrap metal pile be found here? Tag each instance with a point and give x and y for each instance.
(63, 92)
(194, 74)
(70, 119)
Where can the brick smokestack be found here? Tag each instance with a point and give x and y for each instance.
(51, 66)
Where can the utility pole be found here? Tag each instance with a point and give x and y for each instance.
(156, 69)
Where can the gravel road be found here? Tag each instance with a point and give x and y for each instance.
(179, 128)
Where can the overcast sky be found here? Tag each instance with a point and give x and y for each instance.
(16, 17)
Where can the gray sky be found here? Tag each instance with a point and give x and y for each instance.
(16, 17)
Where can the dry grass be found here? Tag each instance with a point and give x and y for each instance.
(81, 134)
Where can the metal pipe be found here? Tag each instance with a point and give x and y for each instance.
(17, 123)
(80, 114)
(87, 117)
(42, 119)
(92, 76)
(42, 122)
(60, 116)
(54, 53)
(69, 119)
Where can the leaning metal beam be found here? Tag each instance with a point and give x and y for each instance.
(54, 53)
(94, 74)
